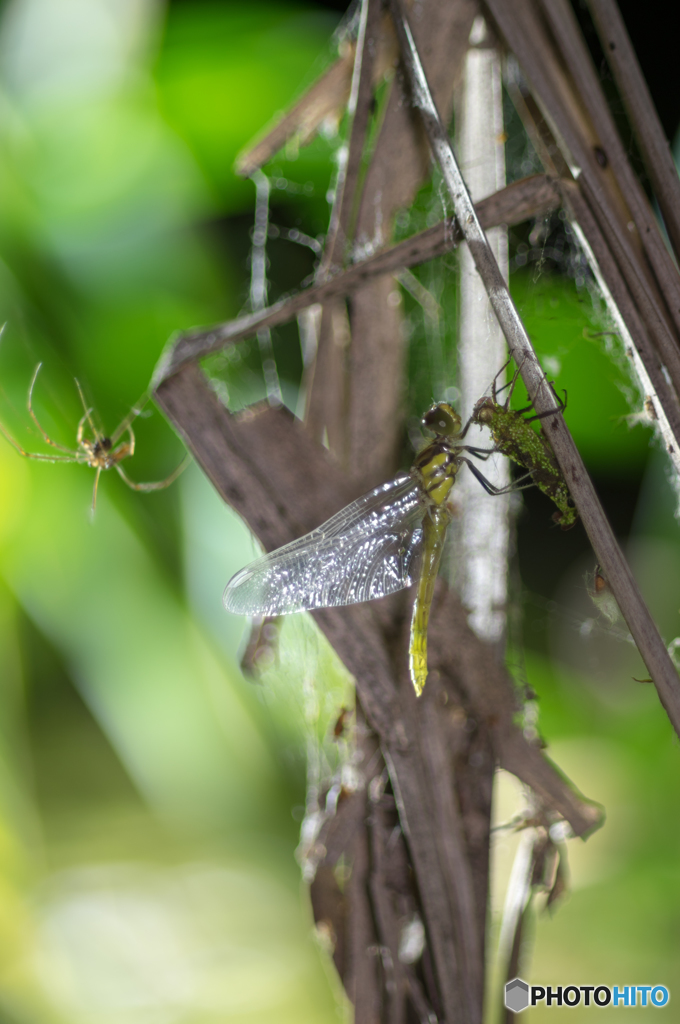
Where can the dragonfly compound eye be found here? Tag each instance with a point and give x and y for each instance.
(442, 419)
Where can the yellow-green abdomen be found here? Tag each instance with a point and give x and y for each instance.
(434, 533)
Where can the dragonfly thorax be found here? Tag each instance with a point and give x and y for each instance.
(435, 469)
(437, 465)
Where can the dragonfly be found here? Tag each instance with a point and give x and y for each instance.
(377, 545)
(515, 437)
(98, 451)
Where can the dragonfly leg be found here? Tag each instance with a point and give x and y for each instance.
(466, 428)
(491, 488)
(480, 453)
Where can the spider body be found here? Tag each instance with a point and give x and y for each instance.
(100, 453)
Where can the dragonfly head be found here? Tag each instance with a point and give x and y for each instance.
(443, 419)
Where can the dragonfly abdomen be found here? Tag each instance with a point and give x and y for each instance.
(434, 534)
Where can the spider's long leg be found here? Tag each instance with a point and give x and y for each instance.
(46, 437)
(132, 438)
(87, 417)
(81, 425)
(157, 485)
(125, 450)
(94, 490)
(73, 457)
(130, 418)
(491, 488)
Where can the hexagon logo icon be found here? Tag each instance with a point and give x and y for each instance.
(516, 995)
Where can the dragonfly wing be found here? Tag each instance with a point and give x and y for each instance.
(363, 552)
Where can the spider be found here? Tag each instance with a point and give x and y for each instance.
(99, 452)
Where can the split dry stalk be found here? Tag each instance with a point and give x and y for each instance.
(644, 120)
(571, 125)
(609, 554)
(572, 45)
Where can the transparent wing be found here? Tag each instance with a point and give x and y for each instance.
(364, 552)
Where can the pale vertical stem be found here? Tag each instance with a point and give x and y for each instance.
(258, 285)
(483, 532)
(517, 901)
(517, 894)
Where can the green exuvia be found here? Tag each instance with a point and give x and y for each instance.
(514, 436)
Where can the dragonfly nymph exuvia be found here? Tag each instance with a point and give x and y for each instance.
(377, 545)
(514, 436)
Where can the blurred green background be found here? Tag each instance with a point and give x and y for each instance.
(150, 796)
